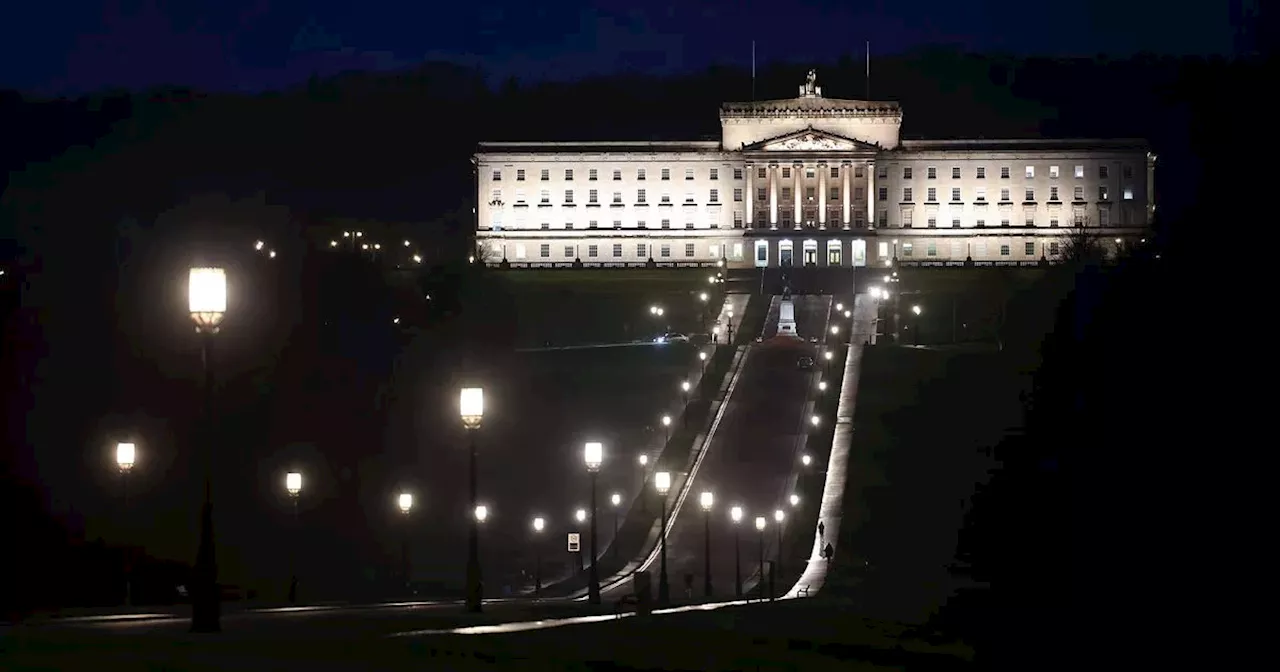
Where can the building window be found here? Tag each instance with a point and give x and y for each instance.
(1104, 217)
(955, 222)
(665, 251)
(1053, 172)
(737, 173)
(617, 224)
(1103, 195)
(882, 193)
(931, 250)
(666, 174)
(1030, 220)
(544, 196)
(617, 197)
(737, 219)
(857, 171)
(1031, 172)
(761, 173)
(593, 196)
(931, 173)
(592, 251)
(786, 173)
(715, 196)
(1128, 193)
(713, 251)
(497, 176)
(568, 252)
(808, 172)
(568, 175)
(1004, 250)
(546, 226)
(857, 193)
(617, 250)
(883, 220)
(1030, 195)
(593, 224)
(1004, 195)
(808, 193)
(1078, 193)
(714, 174)
(640, 251)
(617, 175)
(497, 195)
(1053, 193)
(688, 173)
(906, 194)
(520, 175)
(1126, 172)
(835, 173)
(1004, 172)
(640, 195)
(981, 223)
(545, 174)
(982, 173)
(1102, 172)
(1029, 248)
(835, 194)
(568, 226)
(955, 194)
(666, 223)
(544, 250)
(640, 174)
(955, 172)
(737, 195)
(1004, 222)
(640, 224)
(1079, 170)
(931, 195)
(980, 195)
(688, 225)
(688, 249)
(666, 197)
(591, 175)
(1053, 249)
(882, 172)
(688, 197)
(907, 249)
(1053, 222)
(762, 194)
(568, 196)
(786, 193)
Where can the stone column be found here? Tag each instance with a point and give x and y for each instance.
(871, 194)
(773, 195)
(796, 169)
(845, 167)
(751, 195)
(822, 194)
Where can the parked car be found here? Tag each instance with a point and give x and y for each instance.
(672, 337)
(804, 363)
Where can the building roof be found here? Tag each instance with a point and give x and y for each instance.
(599, 147)
(810, 105)
(1014, 145)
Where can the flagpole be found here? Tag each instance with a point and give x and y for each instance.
(753, 70)
(868, 69)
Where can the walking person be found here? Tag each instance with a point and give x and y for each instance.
(829, 551)
(822, 530)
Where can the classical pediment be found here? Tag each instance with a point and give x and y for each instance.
(810, 140)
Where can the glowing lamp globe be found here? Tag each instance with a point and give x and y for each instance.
(593, 455)
(293, 482)
(406, 502)
(125, 455)
(662, 481)
(471, 407)
(207, 297)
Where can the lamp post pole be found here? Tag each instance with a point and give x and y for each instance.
(707, 500)
(125, 455)
(760, 524)
(539, 523)
(207, 301)
(406, 570)
(472, 406)
(736, 515)
(593, 455)
(616, 500)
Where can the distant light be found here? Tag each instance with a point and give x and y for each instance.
(760, 523)
(333, 243)
(395, 320)
(615, 499)
(417, 259)
(822, 386)
(258, 245)
(806, 460)
(482, 512)
(406, 501)
(377, 246)
(915, 309)
(643, 459)
(580, 515)
(684, 385)
(359, 234)
(539, 523)
(703, 296)
(779, 515)
(406, 243)
(471, 259)
(795, 500)
(293, 482)
(346, 234)
(848, 313)
(126, 453)
(839, 306)
(272, 254)
(815, 420)
(707, 500)
(364, 246)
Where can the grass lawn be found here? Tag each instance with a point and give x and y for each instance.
(925, 422)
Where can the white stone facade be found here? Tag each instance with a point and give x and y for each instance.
(806, 181)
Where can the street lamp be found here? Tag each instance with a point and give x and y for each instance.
(207, 303)
(126, 453)
(293, 485)
(666, 428)
(662, 481)
(593, 456)
(702, 357)
(539, 523)
(471, 408)
(915, 326)
(760, 525)
(405, 501)
(707, 499)
(616, 500)
(643, 459)
(735, 514)
(806, 460)
(814, 420)
(778, 516)
(684, 389)
(729, 326)
(795, 499)
(822, 386)
(581, 517)
(482, 513)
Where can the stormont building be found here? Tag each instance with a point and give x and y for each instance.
(810, 181)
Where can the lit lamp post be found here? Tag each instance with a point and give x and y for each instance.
(593, 455)
(643, 459)
(729, 327)
(822, 386)
(815, 420)
(207, 303)
(662, 481)
(703, 298)
(702, 356)
(616, 500)
(915, 323)
(826, 364)
(806, 460)
(684, 389)
(581, 517)
(795, 500)
(735, 514)
(126, 453)
(778, 516)
(666, 429)
(539, 523)
(293, 485)
(707, 499)
(406, 506)
(471, 407)
(760, 525)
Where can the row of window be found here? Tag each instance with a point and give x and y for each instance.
(931, 173)
(642, 251)
(1029, 194)
(593, 197)
(980, 251)
(734, 252)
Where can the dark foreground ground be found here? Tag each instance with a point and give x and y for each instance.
(805, 634)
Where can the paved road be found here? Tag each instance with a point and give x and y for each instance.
(751, 460)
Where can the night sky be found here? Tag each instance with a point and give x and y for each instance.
(71, 47)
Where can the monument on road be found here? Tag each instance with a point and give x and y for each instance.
(787, 315)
